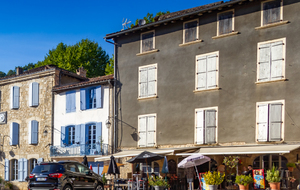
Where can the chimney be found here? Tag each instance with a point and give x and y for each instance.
(19, 71)
(81, 71)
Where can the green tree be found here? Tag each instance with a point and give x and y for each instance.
(86, 53)
(109, 69)
(28, 66)
(11, 72)
(149, 18)
(2, 74)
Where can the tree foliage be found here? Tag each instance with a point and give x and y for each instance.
(109, 69)
(86, 53)
(25, 68)
(2, 74)
(149, 18)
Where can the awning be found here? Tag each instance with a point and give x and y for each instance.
(135, 152)
(255, 149)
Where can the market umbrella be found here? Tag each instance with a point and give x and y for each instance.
(145, 157)
(165, 168)
(113, 168)
(193, 161)
(105, 168)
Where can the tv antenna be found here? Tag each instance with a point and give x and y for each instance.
(125, 23)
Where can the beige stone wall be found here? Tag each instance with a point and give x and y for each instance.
(42, 113)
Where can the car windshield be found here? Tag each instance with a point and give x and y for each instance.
(48, 168)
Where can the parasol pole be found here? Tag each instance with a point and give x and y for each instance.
(197, 174)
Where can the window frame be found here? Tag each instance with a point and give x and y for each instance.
(262, 13)
(155, 129)
(14, 170)
(218, 22)
(197, 31)
(195, 125)
(72, 129)
(139, 83)
(282, 118)
(283, 63)
(141, 41)
(217, 71)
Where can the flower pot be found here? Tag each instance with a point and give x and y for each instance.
(291, 169)
(274, 185)
(158, 187)
(213, 187)
(244, 187)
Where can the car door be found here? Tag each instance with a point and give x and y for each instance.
(86, 178)
(74, 175)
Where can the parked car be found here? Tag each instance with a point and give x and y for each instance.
(63, 175)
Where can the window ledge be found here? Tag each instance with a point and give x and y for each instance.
(272, 25)
(147, 98)
(147, 52)
(189, 43)
(225, 35)
(271, 81)
(211, 89)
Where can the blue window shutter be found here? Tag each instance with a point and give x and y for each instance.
(20, 169)
(73, 102)
(63, 136)
(98, 136)
(16, 95)
(14, 133)
(6, 175)
(98, 97)
(40, 160)
(35, 94)
(77, 133)
(82, 139)
(68, 102)
(25, 161)
(34, 131)
(82, 99)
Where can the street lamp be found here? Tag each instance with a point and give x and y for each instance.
(108, 123)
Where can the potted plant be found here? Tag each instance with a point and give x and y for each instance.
(231, 162)
(158, 183)
(243, 181)
(273, 178)
(213, 179)
(291, 166)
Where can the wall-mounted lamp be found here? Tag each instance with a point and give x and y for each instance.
(45, 132)
(108, 123)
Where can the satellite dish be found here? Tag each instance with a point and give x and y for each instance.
(142, 22)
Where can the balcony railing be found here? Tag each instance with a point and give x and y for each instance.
(80, 150)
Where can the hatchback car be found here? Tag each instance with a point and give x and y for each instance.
(63, 175)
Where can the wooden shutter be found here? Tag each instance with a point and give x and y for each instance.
(15, 93)
(68, 102)
(151, 131)
(201, 72)
(98, 136)
(6, 172)
(271, 12)
(73, 101)
(98, 97)
(277, 60)
(22, 169)
(143, 82)
(34, 132)
(40, 160)
(262, 133)
(82, 139)
(190, 31)
(212, 71)
(275, 122)
(147, 41)
(210, 126)
(142, 131)
(225, 23)
(151, 81)
(29, 132)
(82, 99)
(77, 134)
(264, 62)
(199, 127)
(14, 134)
(34, 94)
(63, 136)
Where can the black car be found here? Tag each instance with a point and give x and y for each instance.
(63, 175)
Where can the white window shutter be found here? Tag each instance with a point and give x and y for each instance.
(201, 73)
(264, 62)
(277, 60)
(151, 123)
(20, 169)
(151, 81)
(6, 175)
(210, 126)
(142, 131)
(40, 160)
(199, 127)
(275, 122)
(212, 71)
(262, 122)
(143, 82)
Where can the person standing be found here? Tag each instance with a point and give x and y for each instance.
(250, 172)
(189, 173)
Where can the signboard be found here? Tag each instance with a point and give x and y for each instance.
(259, 179)
(204, 186)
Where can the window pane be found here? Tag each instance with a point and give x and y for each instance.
(147, 41)
(284, 161)
(190, 31)
(271, 12)
(256, 163)
(265, 162)
(275, 161)
(225, 23)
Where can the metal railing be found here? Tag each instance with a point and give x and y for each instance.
(80, 150)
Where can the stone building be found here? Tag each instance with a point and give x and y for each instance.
(26, 119)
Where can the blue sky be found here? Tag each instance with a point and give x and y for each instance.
(30, 28)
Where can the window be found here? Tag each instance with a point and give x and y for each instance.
(33, 132)
(32, 164)
(271, 60)
(71, 134)
(83, 169)
(147, 41)
(267, 161)
(72, 167)
(14, 169)
(14, 97)
(147, 130)
(207, 71)
(90, 98)
(270, 117)
(225, 22)
(33, 94)
(148, 81)
(22, 169)
(14, 134)
(71, 101)
(92, 136)
(190, 32)
(206, 126)
(271, 12)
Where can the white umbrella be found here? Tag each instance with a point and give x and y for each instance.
(193, 161)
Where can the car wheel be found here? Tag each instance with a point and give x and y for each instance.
(99, 187)
(67, 187)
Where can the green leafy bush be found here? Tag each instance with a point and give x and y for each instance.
(104, 180)
(215, 178)
(158, 181)
(291, 164)
(273, 175)
(243, 179)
